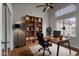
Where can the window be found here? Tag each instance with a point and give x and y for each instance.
(70, 25)
(66, 10)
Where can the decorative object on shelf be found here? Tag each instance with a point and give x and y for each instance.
(27, 18)
(39, 20)
(49, 31)
(33, 25)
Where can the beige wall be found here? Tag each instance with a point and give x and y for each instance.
(10, 24)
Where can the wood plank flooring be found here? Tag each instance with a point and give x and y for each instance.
(25, 50)
(21, 51)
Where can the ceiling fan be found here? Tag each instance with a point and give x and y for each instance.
(46, 6)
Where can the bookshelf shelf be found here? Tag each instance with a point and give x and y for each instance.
(33, 24)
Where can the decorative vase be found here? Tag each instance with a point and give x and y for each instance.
(49, 31)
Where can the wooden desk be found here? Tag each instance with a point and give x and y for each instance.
(59, 40)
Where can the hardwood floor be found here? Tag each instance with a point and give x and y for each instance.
(21, 51)
(25, 50)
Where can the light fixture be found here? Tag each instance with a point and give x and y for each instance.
(16, 26)
(63, 28)
(48, 7)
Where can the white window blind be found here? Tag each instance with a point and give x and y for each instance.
(66, 10)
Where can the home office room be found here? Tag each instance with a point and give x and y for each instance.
(40, 29)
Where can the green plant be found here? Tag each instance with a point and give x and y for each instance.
(49, 31)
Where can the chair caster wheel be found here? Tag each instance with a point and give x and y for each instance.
(38, 50)
(50, 52)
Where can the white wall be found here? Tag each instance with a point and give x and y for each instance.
(77, 26)
(22, 9)
(53, 19)
(0, 27)
(10, 25)
(2, 23)
(75, 41)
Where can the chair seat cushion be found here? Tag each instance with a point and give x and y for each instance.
(46, 44)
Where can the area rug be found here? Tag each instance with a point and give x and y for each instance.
(62, 51)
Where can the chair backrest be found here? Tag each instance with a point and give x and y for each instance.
(40, 38)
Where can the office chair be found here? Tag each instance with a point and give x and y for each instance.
(43, 43)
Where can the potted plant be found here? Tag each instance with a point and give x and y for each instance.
(49, 31)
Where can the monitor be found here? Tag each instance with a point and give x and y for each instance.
(56, 33)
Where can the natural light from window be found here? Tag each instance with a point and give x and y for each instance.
(70, 25)
(66, 10)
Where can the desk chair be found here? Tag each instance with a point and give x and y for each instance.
(43, 43)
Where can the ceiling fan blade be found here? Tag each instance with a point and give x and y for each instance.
(51, 3)
(39, 6)
(46, 4)
(44, 9)
(51, 7)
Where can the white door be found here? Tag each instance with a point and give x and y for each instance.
(6, 17)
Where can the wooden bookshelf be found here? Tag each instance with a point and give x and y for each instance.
(33, 24)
